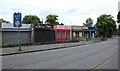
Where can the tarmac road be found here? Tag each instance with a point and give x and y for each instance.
(103, 55)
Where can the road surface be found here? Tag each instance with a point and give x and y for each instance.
(103, 55)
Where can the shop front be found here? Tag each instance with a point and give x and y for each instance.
(44, 33)
(62, 33)
(77, 32)
(89, 32)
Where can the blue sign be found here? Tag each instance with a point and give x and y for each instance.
(17, 20)
(92, 28)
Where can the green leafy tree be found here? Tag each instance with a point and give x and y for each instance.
(31, 19)
(118, 17)
(106, 26)
(4, 21)
(52, 19)
(61, 24)
(89, 22)
(118, 21)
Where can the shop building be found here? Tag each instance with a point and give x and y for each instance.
(89, 32)
(43, 33)
(39, 33)
(82, 32)
(77, 32)
(9, 34)
(62, 32)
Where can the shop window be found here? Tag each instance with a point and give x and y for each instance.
(77, 34)
(80, 34)
(63, 35)
(74, 34)
(58, 34)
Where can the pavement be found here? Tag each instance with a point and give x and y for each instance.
(36, 48)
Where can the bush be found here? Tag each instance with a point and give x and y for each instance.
(15, 45)
(42, 43)
(75, 40)
(9, 45)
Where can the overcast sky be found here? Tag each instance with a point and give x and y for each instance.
(70, 12)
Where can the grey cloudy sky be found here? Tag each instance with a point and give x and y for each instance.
(70, 12)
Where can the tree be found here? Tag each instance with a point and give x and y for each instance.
(52, 19)
(31, 19)
(4, 21)
(118, 21)
(106, 26)
(118, 17)
(61, 24)
(89, 22)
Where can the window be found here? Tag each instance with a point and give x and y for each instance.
(63, 35)
(58, 34)
(74, 34)
(80, 34)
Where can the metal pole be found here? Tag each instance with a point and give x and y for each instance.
(106, 32)
(84, 35)
(19, 39)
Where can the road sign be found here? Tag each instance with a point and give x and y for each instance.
(17, 20)
(17, 23)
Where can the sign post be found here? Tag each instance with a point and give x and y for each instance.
(17, 23)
